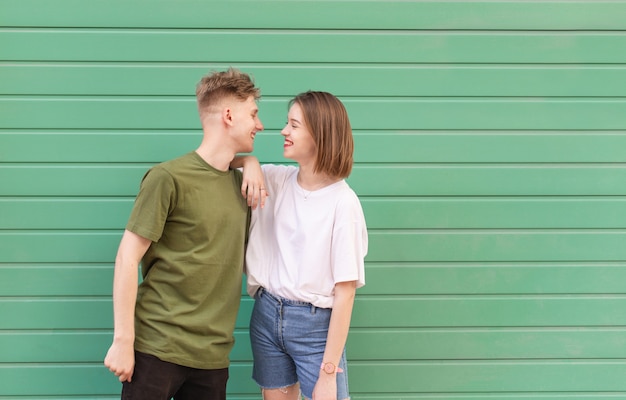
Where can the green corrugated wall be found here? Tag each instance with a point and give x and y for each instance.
(490, 161)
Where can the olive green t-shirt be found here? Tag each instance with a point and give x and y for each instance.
(188, 300)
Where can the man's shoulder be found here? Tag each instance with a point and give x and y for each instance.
(174, 165)
(177, 161)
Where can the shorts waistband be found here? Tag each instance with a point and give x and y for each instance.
(283, 300)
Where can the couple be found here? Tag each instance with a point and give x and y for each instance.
(189, 228)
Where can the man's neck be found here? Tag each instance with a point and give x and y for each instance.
(216, 155)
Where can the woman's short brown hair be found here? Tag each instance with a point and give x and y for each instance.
(216, 86)
(327, 120)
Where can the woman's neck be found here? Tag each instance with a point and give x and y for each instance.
(309, 180)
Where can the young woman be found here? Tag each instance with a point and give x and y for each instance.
(305, 255)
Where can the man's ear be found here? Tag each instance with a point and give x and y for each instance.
(227, 116)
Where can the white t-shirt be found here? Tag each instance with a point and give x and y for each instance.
(302, 243)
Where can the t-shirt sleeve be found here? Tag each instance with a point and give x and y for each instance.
(153, 204)
(276, 175)
(349, 242)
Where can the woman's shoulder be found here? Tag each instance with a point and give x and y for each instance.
(348, 201)
(277, 168)
(277, 172)
(346, 194)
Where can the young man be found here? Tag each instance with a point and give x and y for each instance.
(174, 332)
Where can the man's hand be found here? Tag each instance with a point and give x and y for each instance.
(120, 360)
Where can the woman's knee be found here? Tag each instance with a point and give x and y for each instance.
(287, 393)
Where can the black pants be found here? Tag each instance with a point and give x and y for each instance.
(154, 379)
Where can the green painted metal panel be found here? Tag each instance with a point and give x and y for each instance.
(489, 156)
(65, 213)
(367, 180)
(87, 346)
(475, 278)
(489, 180)
(494, 212)
(470, 376)
(90, 378)
(485, 343)
(491, 396)
(400, 396)
(329, 46)
(177, 79)
(71, 313)
(365, 113)
(392, 212)
(385, 246)
(39, 146)
(459, 278)
(551, 15)
(62, 347)
(483, 376)
(503, 311)
(430, 311)
(364, 344)
(486, 245)
(56, 280)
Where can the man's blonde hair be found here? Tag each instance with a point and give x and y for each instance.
(218, 85)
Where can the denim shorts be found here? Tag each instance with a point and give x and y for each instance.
(288, 340)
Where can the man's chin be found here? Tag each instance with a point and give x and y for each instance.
(248, 149)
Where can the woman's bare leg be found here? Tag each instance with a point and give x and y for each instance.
(287, 393)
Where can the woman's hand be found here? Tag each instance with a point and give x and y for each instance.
(326, 387)
(253, 184)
